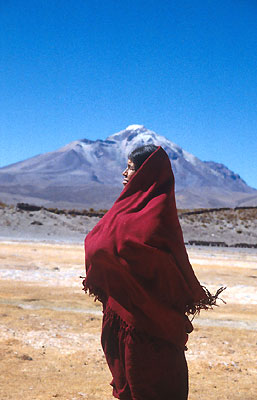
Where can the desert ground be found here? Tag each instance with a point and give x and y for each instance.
(50, 330)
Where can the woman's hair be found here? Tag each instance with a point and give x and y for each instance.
(140, 154)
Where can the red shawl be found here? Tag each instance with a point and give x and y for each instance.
(136, 261)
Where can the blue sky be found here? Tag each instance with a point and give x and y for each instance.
(88, 68)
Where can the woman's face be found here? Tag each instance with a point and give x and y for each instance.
(128, 172)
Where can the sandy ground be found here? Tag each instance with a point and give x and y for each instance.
(50, 330)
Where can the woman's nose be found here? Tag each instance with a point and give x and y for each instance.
(124, 173)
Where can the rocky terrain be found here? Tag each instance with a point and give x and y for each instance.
(233, 227)
(217, 227)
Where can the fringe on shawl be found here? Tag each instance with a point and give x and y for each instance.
(119, 326)
(97, 293)
(205, 304)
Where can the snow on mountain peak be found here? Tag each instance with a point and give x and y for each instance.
(134, 127)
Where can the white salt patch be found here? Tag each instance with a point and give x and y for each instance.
(248, 325)
(67, 342)
(225, 262)
(237, 294)
(44, 278)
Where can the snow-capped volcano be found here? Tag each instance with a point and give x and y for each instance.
(86, 172)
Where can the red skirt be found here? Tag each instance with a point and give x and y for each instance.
(142, 367)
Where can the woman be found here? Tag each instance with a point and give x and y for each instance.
(138, 267)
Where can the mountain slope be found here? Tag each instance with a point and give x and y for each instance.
(88, 173)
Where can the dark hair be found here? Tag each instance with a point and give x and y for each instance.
(140, 154)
